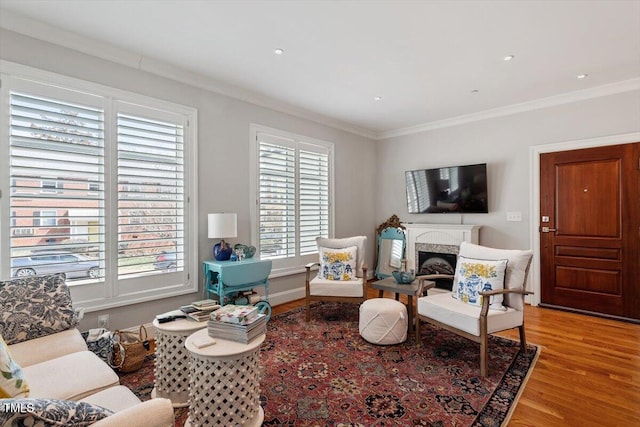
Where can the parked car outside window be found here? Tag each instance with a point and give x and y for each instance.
(41, 263)
(166, 260)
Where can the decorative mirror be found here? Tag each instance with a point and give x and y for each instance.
(391, 246)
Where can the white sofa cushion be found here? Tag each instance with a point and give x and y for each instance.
(152, 413)
(70, 377)
(116, 398)
(449, 311)
(41, 349)
(336, 288)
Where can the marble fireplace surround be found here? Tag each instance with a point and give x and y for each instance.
(439, 238)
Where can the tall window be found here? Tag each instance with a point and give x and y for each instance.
(98, 174)
(293, 193)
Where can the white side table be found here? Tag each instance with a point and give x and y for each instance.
(225, 383)
(172, 360)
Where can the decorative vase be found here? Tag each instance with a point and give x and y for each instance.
(250, 251)
(222, 251)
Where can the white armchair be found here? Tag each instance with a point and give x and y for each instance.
(476, 322)
(325, 287)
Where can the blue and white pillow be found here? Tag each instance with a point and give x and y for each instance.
(338, 264)
(476, 275)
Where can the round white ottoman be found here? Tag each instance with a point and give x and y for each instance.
(383, 321)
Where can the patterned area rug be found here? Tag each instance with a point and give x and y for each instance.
(324, 373)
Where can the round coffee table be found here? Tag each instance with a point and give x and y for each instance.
(225, 382)
(172, 360)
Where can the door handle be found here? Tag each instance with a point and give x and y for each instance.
(547, 229)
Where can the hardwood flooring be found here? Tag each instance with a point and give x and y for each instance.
(588, 372)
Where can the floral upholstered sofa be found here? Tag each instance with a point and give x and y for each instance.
(47, 374)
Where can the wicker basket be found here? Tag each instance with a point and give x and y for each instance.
(130, 349)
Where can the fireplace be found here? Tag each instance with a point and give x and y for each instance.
(441, 240)
(438, 263)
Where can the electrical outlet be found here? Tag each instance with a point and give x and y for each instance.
(514, 216)
(103, 321)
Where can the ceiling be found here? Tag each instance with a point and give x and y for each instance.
(429, 61)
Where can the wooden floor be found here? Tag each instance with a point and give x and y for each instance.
(588, 372)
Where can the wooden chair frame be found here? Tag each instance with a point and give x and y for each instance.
(483, 338)
(309, 298)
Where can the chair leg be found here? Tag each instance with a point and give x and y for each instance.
(307, 316)
(484, 362)
(523, 339)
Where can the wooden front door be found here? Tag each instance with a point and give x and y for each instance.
(590, 230)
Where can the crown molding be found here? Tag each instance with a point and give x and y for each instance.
(36, 29)
(45, 32)
(566, 98)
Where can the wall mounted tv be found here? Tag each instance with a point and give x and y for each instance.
(457, 189)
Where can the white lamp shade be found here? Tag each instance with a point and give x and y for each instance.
(223, 225)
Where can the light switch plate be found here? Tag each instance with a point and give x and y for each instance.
(514, 216)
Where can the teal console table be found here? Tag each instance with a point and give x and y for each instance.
(227, 277)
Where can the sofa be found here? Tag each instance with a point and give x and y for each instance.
(50, 376)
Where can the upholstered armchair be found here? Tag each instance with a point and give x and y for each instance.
(342, 273)
(488, 296)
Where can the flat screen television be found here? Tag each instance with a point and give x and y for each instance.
(457, 189)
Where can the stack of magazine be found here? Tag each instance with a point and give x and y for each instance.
(241, 323)
(200, 310)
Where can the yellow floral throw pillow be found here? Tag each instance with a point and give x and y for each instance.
(338, 264)
(476, 275)
(12, 382)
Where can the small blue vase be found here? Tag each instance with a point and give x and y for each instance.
(222, 251)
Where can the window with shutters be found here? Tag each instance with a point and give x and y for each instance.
(100, 174)
(292, 190)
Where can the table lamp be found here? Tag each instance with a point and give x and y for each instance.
(222, 226)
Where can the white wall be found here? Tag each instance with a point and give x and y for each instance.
(504, 144)
(223, 170)
(369, 175)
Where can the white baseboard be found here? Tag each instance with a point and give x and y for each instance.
(286, 296)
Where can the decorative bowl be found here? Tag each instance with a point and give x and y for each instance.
(403, 277)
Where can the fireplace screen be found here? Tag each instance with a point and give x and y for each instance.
(438, 263)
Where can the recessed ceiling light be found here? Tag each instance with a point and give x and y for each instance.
(278, 51)
(509, 57)
(582, 76)
(377, 98)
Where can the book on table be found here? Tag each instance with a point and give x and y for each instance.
(200, 310)
(205, 303)
(235, 313)
(240, 332)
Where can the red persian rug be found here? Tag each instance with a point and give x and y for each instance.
(322, 373)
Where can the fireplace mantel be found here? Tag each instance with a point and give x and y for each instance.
(437, 234)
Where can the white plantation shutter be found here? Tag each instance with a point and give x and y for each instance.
(293, 193)
(56, 152)
(314, 197)
(98, 186)
(277, 197)
(150, 192)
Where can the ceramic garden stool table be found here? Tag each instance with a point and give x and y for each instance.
(225, 383)
(172, 360)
